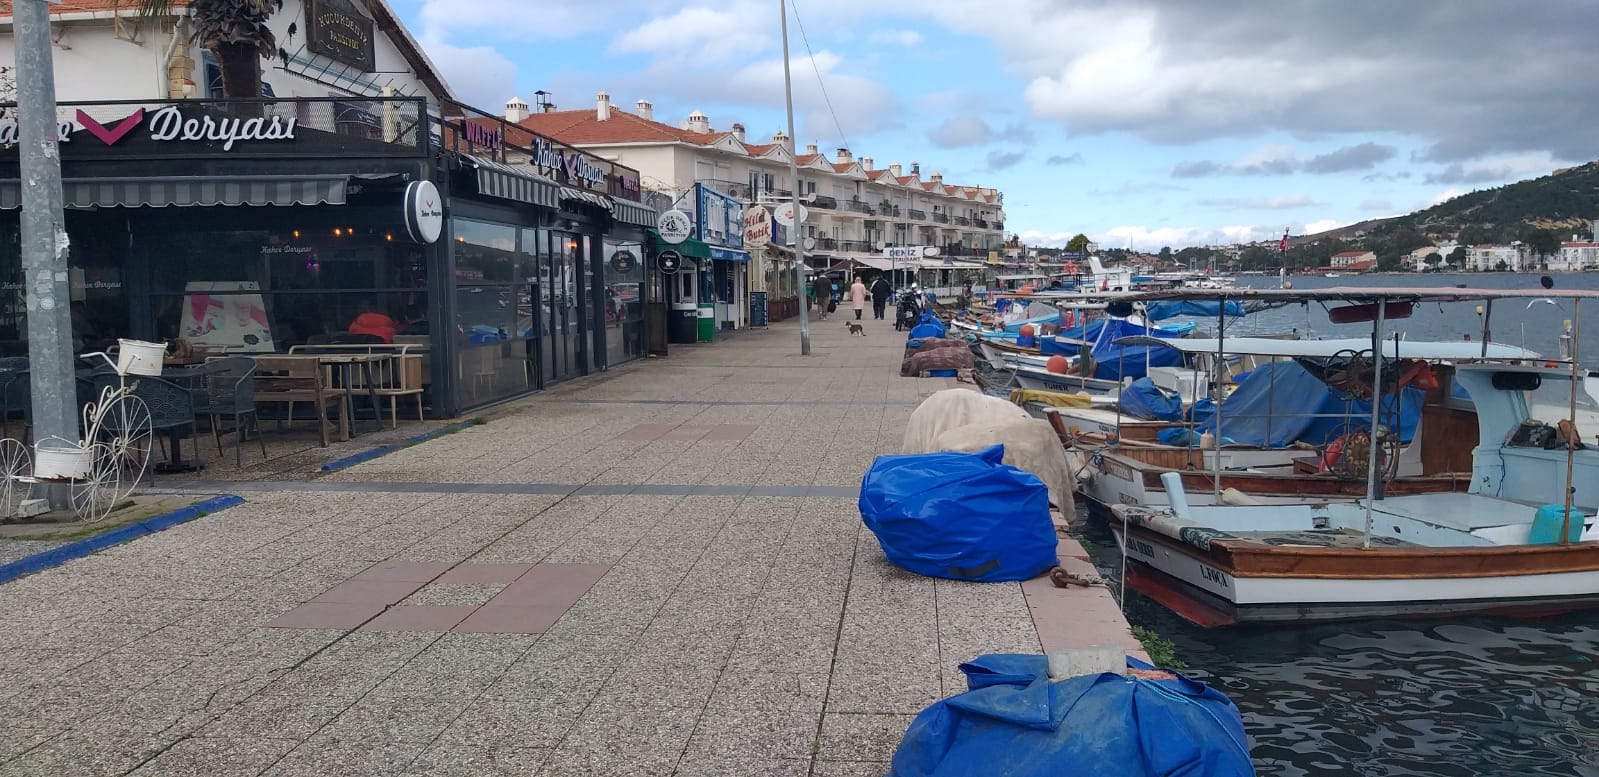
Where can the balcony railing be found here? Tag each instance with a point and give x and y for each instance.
(734, 189)
(856, 206)
(917, 215)
(891, 211)
(981, 223)
(855, 246)
(826, 244)
(941, 218)
(823, 202)
(962, 221)
(999, 225)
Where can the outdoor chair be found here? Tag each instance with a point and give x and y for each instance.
(225, 388)
(294, 379)
(401, 377)
(16, 401)
(171, 409)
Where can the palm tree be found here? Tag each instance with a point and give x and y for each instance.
(235, 31)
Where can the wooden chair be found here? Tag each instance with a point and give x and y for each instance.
(293, 379)
(402, 378)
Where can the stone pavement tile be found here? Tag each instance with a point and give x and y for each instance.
(593, 652)
(329, 754)
(343, 679)
(83, 755)
(19, 740)
(52, 711)
(169, 713)
(466, 761)
(741, 766)
(186, 640)
(624, 741)
(483, 574)
(884, 688)
(284, 716)
(397, 719)
(118, 673)
(686, 685)
(512, 723)
(406, 571)
(435, 619)
(850, 769)
(442, 594)
(218, 756)
(767, 688)
(493, 619)
(90, 636)
(367, 592)
(340, 617)
(847, 737)
(755, 734)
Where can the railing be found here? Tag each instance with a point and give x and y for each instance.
(916, 215)
(823, 202)
(962, 221)
(471, 131)
(891, 211)
(826, 244)
(733, 189)
(856, 206)
(981, 223)
(1000, 225)
(941, 218)
(855, 246)
(312, 127)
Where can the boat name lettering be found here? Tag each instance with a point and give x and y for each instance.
(1140, 547)
(1216, 576)
(169, 124)
(1117, 470)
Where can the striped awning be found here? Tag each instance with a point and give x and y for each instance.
(635, 213)
(569, 194)
(495, 179)
(190, 191)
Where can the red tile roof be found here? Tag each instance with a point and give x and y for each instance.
(1351, 254)
(1358, 266)
(759, 149)
(805, 159)
(584, 127)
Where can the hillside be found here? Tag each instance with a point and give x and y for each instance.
(1564, 202)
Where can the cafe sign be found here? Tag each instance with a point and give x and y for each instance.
(336, 29)
(574, 165)
(171, 125)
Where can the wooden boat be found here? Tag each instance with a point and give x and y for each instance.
(1519, 536)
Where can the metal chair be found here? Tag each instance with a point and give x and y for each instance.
(16, 400)
(225, 388)
(171, 411)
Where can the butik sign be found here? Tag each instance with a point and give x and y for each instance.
(757, 227)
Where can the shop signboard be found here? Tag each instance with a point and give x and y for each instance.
(668, 262)
(721, 218)
(424, 212)
(336, 29)
(757, 227)
(785, 214)
(674, 226)
(623, 262)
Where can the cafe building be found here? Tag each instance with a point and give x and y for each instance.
(512, 262)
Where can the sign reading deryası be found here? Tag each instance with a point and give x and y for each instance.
(720, 218)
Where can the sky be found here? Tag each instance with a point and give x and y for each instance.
(1141, 123)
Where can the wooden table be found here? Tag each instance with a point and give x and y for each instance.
(345, 365)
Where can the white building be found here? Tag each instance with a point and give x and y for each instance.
(1576, 256)
(1417, 259)
(855, 207)
(1353, 260)
(1490, 258)
(101, 54)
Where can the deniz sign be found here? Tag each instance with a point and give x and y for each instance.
(574, 165)
(720, 218)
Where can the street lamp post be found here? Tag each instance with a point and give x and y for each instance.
(793, 174)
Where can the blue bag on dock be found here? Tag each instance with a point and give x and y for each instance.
(1014, 721)
(961, 516)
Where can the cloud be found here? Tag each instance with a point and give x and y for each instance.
(896, 37)
(1069, 159)
(1360, 157)
(1493, 171)
(1144, 238)
(1401, 175)
(1317, 227)
(1265, 203)
(1382, 205)
(700, 33)
(1445, 196)
(1283, 160)
(963, 131)
(1000, 160)
(479, 75)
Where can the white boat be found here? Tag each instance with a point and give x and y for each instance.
(1519, 537)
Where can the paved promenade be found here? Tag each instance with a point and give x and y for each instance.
(660, 570)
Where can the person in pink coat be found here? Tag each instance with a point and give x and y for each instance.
(857, 297)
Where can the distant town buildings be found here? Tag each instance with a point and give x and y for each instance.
(1490, 258)
(1353, 261)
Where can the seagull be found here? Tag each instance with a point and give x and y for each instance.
(1542, 299)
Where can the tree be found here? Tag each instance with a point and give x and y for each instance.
(1457, 257)
(1433, 260)
(1165, 253)
(1501, 266)
(1078, 244)
(235, 31)
(1543, 242)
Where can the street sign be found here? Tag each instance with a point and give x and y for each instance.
(674, 227)
(669, 262)
(910, 252)
(785, 214)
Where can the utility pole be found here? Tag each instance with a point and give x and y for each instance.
(44, 235)
(793, 173)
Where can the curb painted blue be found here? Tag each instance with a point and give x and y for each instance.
(384, 450)
(39, 562)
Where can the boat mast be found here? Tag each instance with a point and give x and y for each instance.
(1571, 437)
(1216, 371)
(1487, 320)
(1376, 410)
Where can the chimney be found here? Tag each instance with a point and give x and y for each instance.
(866, 163)
(916, 168)
(893, 167)
(515, 110)
(602, 106)
(646, 111)
(780, 137)
(810, 148)
(844, 156)
(697, 122)
(738, 132)
(938, 178)
(548, 107)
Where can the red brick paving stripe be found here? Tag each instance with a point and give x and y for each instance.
(645, 432)
(550, 585)
(368, 592)
(341, 617)
(687, 433)
(484, 574)
(730, 432)
(490, 619)
(420, 618)
(408, 571)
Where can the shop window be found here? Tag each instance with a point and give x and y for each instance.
(485, 252)
(623, 303)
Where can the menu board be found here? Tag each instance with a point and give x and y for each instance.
(225, 314)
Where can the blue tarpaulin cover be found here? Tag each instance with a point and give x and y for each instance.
(1161, 310)
(1288, 393)
(1115, 362)
(929, 326)
(1014, 721)
(962, 516)
(1146, 401)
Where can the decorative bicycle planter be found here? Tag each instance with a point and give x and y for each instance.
(105, 467)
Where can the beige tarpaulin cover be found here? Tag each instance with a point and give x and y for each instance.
(967, 421)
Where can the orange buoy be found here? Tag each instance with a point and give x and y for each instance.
(1027, 330)
(1057, 364)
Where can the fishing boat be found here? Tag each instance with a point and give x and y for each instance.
(1519, 537)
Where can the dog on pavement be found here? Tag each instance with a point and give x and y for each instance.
(855, 329)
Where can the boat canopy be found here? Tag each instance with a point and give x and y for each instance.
(1163, 309)
(1321, 349)
(1281, 403)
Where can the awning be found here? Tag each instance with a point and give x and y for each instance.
(189, 191)
(569, 194)
(729, 255)
(513, 183)
(691, 248)
(878, 262)
(635, 214)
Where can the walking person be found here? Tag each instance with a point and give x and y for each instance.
(823, 288)
(857, 297)
(881, 291)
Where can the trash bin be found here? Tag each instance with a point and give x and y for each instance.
(707, 322)
(682, 326)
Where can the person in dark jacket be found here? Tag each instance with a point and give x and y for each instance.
(881, 291)
(823, 288)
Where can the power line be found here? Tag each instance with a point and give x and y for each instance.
(794, 4)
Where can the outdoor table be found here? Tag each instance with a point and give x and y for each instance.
(345, 365)
(185, 377)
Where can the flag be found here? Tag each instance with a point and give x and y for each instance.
(1283, 246)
